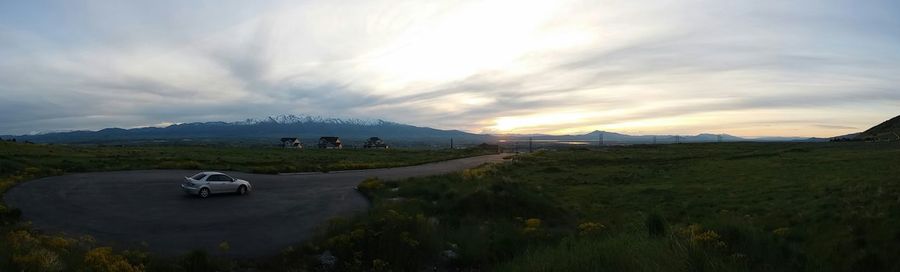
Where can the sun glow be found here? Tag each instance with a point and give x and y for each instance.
(537, 122)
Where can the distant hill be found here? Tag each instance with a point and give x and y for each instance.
(270, 129)
(613, 137)
(886, 131)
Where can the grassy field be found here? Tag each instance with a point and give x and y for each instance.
(15, 158)
(689, 207)
(686, 207)
(23, 249)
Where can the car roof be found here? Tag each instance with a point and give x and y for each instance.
(212, 173)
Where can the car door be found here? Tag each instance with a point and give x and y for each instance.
(217, 183)
(229, 184)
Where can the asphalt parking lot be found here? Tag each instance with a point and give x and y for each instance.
(148, 207)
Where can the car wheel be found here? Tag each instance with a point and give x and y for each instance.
(204, 193)
(242, 190)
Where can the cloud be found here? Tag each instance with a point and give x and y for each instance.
(811, 68)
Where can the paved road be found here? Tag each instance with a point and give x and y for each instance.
(127, 208)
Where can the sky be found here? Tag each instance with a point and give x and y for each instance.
(748, 68)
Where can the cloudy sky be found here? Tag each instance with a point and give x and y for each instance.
(750, 68)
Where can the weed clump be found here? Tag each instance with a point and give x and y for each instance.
(370, 186)
(656, 225)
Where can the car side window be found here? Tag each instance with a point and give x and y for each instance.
(219, 178)
(198, 177)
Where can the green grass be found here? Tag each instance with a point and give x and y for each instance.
(688, 207)
(14, 158)
(623, 252)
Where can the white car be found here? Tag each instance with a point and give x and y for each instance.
(204, 184)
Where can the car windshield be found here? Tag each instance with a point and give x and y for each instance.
(198, 176)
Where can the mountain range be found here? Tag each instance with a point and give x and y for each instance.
(267, 129)
(310, 128)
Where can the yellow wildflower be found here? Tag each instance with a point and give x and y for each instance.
(103, 259)
(781, 231)
(590, 227)
(224, 246)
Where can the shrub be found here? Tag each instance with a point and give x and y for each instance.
(9, 215)
(532, 225)
(697, 234)
(370, 185)
(197, 260)
(383, 239)
(33, 252)
(103, 259)
(589, 228)
(21, 240)
(38, 260)
(478, 172)
(5, 184)
(762, 250)
(656, 225)
(224, 246)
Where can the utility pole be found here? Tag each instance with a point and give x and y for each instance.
(516, 146)
(530, 144)
(719, 137)
(677, 139)
(654, 139)
(600, 141)
(451, 142)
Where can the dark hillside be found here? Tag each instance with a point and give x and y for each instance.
(888, 130)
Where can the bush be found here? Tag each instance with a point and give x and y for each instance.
(370, 186)
(9, 215)
(103, 259)
(656, 225)
(401, 241)
(38, 260)
(589, 228)
(32, 252)
(532, 226)
(762, 250)
(197, 260)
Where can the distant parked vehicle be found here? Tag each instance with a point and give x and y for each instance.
(204, 184)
